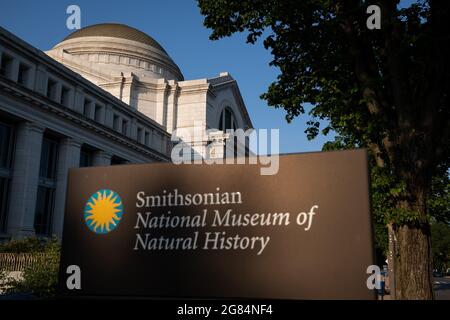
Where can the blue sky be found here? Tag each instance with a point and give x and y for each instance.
(178, 26)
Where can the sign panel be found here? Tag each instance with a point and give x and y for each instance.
(220, 231)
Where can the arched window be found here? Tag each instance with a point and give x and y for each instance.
(228, 123)
(227, 120)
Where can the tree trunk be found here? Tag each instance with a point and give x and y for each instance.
(413, 256)
(413, 268)
(391, 260)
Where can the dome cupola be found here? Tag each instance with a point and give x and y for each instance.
(121, 48)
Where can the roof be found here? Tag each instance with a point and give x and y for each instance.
(115, 30)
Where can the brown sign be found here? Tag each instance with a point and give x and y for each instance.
(211, 231)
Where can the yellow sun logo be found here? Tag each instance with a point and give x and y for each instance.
(103, 211)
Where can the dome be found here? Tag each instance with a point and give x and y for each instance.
(114, 46)
(116, 30)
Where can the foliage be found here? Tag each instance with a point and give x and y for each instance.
(439, 200)
(440, 239)
(385, 190)
(41, 278)
(386, 90)
(25, 245)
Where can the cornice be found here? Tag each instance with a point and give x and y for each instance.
(14, 90)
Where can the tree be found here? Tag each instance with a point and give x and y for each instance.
(384, 191)
(386, 90)
(439, 200)
(441, 245)
(439, 205)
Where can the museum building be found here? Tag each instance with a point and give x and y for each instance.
(107, 94)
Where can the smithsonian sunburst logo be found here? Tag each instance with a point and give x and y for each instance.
(103, 211)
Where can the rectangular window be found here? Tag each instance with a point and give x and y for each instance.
(87, 108)
(44, 210)
(46, 190)
(24, 74)
(65, 96)
(5, 145)
(118, 161)
(51, 89)
(6, 151)
(48, 159)
(4, 195)
(85, 158)
(116, 122)
(98, 113)
(6, 65)
(125, 127)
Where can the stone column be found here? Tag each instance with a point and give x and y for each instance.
(68, 157)
(172, 101)
(91, 108)
(71, 100)
(41, 80)
(161, 103)
(57, 97)
(109, 115)
(101, 158)
(14, 72)
(133, 129)
(24, 182)
(102, 108)
(31, 78)
(78, 100)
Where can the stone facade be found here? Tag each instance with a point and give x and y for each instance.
(93, 100)
(146, 78)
